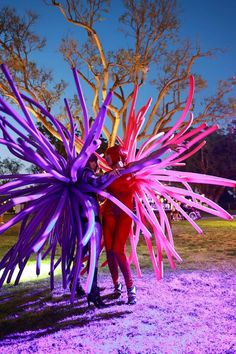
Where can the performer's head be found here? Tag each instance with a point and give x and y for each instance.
(92, 162)
(115, 156)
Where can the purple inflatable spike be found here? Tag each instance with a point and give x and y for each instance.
(82, 102)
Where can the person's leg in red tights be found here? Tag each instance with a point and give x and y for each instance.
(109, 224)
(116, 229)
(120, 237)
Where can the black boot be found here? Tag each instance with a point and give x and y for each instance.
(117, 291)
(131, 295)
(79, 290)
(95, 298)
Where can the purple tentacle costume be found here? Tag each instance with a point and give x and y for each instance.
(51, 220)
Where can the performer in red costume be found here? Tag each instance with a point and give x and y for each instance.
(117, 225)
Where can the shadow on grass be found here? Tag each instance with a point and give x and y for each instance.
(31, 311)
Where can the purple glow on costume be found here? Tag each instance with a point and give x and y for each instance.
(51, 216)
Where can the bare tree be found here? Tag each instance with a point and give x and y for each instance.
(17, 44)
(216, 158)
(153, 26)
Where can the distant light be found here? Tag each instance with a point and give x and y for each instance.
(29, 273)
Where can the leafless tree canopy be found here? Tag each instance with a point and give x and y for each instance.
(155, 55)
(153, 30)
(17, 43)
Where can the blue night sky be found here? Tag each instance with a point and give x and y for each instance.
(210, 23)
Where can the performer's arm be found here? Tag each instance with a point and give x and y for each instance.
(153, 158)
(154, 154)
(98, 181)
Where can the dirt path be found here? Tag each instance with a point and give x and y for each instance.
(190, 311)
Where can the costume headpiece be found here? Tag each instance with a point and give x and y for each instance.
(116, 153)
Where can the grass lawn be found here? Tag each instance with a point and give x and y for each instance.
(217, 244)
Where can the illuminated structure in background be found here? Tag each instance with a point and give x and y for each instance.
(53, 199)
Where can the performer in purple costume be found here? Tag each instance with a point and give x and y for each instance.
(89, 177)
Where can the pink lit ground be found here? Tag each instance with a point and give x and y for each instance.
(192, 310)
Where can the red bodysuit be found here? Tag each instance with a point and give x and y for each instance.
(116, 228)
